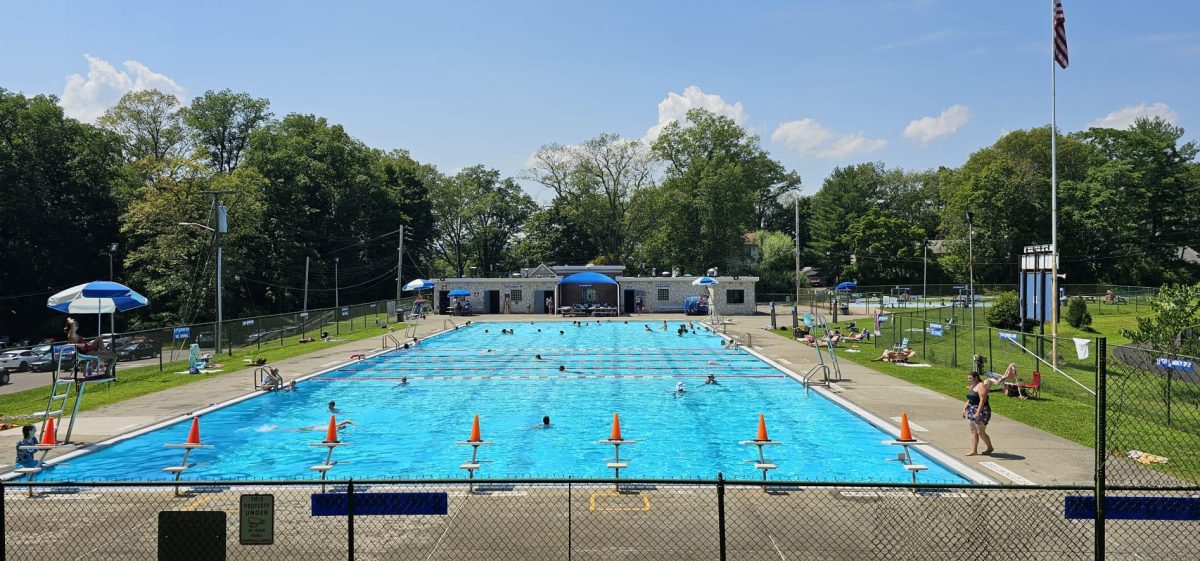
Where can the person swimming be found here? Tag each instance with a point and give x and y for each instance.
(647, 327)
(333, 408)
(710, 379)
(679, 387)
(537, 357)
(562, 368)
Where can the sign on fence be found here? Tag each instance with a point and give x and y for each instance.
(376, 504)
(181, 333)
(257, 515)
(1008, 336)
(247, 322)
(935, 329)
(345, 311)
(1175, 364)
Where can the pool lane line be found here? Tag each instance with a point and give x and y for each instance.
(534, 377)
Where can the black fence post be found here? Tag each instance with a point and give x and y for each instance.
(570, 527)
(1101, 441)
(721, 513)
(3, 524)
(350, 519)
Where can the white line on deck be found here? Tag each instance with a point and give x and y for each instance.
(756, 347)
(331, 363)
(911, 425)
(1007, 473)
(784, 360)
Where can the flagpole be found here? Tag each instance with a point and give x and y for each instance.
(1053, 191)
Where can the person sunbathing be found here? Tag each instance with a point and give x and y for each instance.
(830, 341)
(1008, 377)
(895, 356)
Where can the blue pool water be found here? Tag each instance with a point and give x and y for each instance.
(410, 430)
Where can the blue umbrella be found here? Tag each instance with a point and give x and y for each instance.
(705, 281)
(458, 292)
(419, 284)
(100, 297)
(847, 285)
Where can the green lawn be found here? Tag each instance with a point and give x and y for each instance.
(1065, 409)
(135, 382)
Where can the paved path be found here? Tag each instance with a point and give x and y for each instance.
(1024, 454)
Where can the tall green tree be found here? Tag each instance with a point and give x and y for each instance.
(150, 124)
(59, 212)
(721, 183)
(220, 123)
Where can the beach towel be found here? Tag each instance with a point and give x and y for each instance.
(1081, 347)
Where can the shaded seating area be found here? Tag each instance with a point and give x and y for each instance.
(588, 294)
(587, 310)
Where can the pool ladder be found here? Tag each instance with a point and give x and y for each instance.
(448, 323)
(389, 338)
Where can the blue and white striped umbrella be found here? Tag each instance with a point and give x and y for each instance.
(419, 284)
(97, 297)
(705, 281)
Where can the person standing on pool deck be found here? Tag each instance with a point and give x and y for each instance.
(977, 411)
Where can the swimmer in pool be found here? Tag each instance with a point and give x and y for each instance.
(333, 408)
(403, 381)
(562, 368)
(313, 428)
(679, 388)
(710, 379)
(664, 325)
(545, 424)
(537, 357)
(647, 328)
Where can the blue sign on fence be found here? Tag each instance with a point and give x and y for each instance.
(935, 329)
(1175, 364)
(1134, 508)
(182, 333)
(1008, 336)
(345, 312)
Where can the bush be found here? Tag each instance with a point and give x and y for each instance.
(1005, 312)
(1077, 314)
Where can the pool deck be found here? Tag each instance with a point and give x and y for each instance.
(1023, 454)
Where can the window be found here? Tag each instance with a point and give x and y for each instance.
(664, 294)
(515, 294)
(733, 296)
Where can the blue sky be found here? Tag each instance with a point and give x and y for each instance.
(916, 83)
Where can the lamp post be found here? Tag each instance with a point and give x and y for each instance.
(971, 279)
(112, 318)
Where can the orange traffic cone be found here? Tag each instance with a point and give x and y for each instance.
(48, 437)
(762, 429)
(905, 432)
(615, 435)
(331, 432)
(475, 435)
(194, 433)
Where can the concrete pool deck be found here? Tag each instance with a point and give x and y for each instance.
(1024, 454)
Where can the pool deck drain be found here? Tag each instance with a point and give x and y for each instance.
(1022, 450)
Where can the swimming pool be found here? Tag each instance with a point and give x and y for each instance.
(409, 429)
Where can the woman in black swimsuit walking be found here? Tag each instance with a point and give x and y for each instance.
(978, 412)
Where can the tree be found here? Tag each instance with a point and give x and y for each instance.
(776, 263)
(1077, 314)
(884, 248)
(58, 208)
(721, 183)
(150, 124)
(551, 235)
(1005, 312)
(1174, 315)
(848, 194)
(220, 124)
(495, 209)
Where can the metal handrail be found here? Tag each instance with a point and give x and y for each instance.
(807, 378)
(450, 321)
(392, 338)
(260, 373)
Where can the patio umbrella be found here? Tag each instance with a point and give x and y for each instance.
(101, 297)
(705, 281)
(419, 284)
(847, 285)
(458, 292)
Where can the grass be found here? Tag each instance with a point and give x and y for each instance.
(143, 380)
(1136, 405)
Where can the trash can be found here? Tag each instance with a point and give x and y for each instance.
(845, 309)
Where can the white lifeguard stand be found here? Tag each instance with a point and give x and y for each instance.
(760, 441)
(193, 443)
(616, 440)
(906, 439)
(474, 441)
(330, 443)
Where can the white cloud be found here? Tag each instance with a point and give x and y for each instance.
(88, 98)
(927, 129)
(676, 106)
(810, 138)
(1124, 117)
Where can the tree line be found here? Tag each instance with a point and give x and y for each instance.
(303, 194)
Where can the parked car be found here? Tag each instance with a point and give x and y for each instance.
(43, 362)
(16, 360)
(205, 339)
(135, 351)
(263, 336)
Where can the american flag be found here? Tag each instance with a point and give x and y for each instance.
(1060, 35)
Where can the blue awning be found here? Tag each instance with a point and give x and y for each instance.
(587, 278)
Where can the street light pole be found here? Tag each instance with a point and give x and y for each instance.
(336, 301)
(112, 318)
(971, 279)
(925, 273)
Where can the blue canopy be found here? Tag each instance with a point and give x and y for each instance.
(458, 292)
(419, 284)
(587, 278)
(847, 285)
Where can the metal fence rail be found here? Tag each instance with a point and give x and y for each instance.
(574, 519)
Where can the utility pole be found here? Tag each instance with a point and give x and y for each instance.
(971, 279)
(925, 273)
(797, 240)
(112, 318)
(306, 260)
(336, 301)
(222, 227)
(399, 268)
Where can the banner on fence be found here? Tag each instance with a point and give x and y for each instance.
(1175, 364)
(1008, 336)
(935, 329)
(181, 333)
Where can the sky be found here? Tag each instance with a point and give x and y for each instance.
(913, 83)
